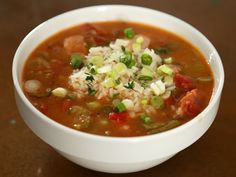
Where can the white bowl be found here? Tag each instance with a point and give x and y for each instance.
(110, 154)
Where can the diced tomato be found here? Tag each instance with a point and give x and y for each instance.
(96, 30)
(97, 34)
(75, 44)
(184, 82)
(118, 117)
(100, 40)
(66, 104)
(170, 101)
(191, 103)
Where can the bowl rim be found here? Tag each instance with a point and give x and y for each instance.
(212, 102)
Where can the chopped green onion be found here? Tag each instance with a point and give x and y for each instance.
(89, 78)
(93, 70)
(157, 102)
(120, 107)
(123, 48)
(113, 74)
(115, 94)
(146, 59)
(165, 69)
(76, 61)
(104, 69)
(140, 40)
(132, 63)
(136, 47)
(146, 119)
(146, 71)
(168, 60)
(120, 67)
(129, 33)
(144, 101)
(97, 60)
(144, 84)
(127, 59)
(158, 87)
(145, 78)
(168, 80)
(91, 90)
(89, 65)
(117, 81)
(109, 82)
(130, 85)
(129, 105)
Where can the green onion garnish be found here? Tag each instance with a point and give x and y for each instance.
(129, 33)
(144, 84)
(97, 60)
(120, 107)
(145, 78)
(168, 60)
(93, 71)
(117, 81)
(89, 77)
(76, 61)
(130, 85)
(144, 101)
(165, 69)
(91, 90)
(157, 102)
(115, 95)
(127, 59)
(146, 59)
(145, 118)
(123, 48)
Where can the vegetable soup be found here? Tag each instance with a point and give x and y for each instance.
(118, 79)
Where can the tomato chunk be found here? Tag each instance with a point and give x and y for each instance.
(191, 103)
(96, 30)
(184, 82)
(75, 44)
(170, 101)
(97, 34)
(118, 117)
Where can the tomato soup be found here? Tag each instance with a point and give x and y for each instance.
(118, 79)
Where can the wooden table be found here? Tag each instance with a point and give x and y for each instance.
(22, 154)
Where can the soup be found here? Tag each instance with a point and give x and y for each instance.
(118, 79)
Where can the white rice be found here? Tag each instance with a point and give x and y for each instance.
(111, 55)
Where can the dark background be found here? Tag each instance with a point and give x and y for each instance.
(22, 154)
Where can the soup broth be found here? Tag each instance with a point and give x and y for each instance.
(118, 79)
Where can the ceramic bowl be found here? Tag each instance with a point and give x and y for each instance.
(111, 154)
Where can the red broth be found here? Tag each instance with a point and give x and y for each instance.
(149, 110)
